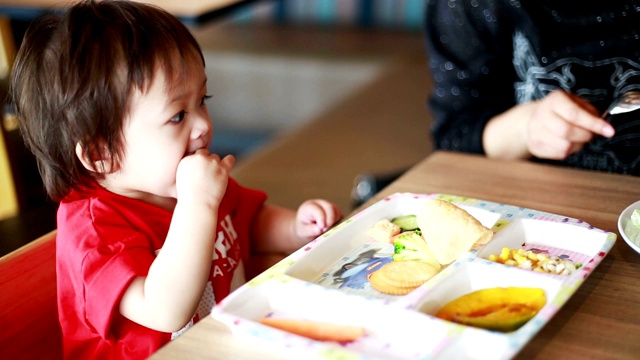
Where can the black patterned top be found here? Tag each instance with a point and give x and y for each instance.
(488, 55)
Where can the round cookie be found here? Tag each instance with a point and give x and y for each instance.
(401, 277)
(379, 283)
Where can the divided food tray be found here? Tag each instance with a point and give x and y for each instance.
(327, 281)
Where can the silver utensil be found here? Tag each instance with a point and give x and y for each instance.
(627, 102)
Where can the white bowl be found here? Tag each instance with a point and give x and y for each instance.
(622, 224)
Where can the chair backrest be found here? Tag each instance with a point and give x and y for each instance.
(29, 326)
(8, 197)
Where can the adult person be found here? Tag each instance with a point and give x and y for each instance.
(531, 79)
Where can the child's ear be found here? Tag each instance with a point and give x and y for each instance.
(95, 159)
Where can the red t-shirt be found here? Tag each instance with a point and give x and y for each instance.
(105, 240)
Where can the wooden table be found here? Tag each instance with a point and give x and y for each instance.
(601, 320)
(191, 12)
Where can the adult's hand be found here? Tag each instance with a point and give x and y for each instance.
(560, 125)
(554, 127)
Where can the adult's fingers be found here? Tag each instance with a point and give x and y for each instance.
(575, 113)
(570, 132)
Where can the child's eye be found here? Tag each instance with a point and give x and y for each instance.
(203, 99)
(177, 118)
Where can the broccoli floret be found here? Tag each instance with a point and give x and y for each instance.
(411, 246)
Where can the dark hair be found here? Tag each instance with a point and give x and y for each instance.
(74, 73)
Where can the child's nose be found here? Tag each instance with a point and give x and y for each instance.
(202, 126)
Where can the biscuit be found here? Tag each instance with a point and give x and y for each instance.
(401, 277)
(380, 284)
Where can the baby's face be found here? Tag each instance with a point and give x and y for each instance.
(165, 124)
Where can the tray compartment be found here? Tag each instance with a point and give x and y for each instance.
(300, 300)
(477, 274)
(580, 244)
(335, 259)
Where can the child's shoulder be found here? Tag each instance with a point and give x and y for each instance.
(103, 215)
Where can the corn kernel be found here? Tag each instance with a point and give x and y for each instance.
(519, 258)
(526, 264)
(505, 254)
(511, 262)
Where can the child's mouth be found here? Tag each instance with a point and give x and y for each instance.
(191, 152)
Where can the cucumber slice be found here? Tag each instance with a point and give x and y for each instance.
(406, 222)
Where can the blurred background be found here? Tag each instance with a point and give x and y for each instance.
(307, 94)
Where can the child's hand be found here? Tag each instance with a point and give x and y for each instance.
(314, 217)
(202, 177)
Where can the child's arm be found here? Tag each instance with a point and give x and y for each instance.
(166, 299)
(282, 230)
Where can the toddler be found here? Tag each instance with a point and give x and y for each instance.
(152, 231)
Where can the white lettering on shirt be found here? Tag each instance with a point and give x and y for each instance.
(226, 237)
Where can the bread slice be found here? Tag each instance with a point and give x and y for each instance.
(449, 230)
